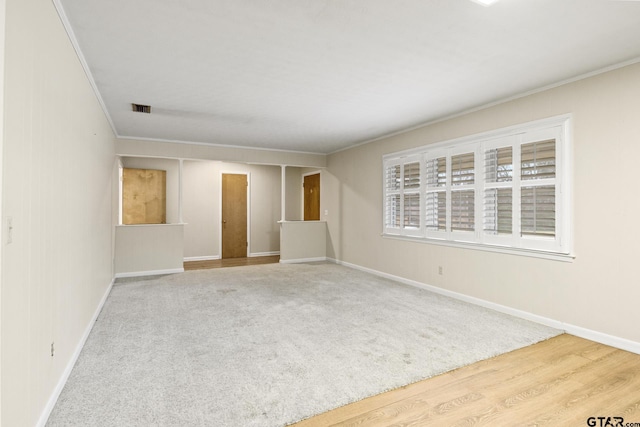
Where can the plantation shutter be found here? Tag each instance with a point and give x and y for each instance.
(411, 195)
(498, 195)
(392, 196)
(436, 195)
(436, 211)
(437, 172)
(509, 189)
(538, 211)
(462, 169)
(412, 175)
(538, 160)
(463, 210)
(498, 211)
(538, 201)
(463, 201)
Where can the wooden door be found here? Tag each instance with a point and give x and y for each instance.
(234, 215)
(311, 186)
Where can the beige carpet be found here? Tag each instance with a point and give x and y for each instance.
(269, 345)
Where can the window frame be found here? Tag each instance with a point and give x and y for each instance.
(557, 247)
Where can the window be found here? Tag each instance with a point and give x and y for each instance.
(508, 189)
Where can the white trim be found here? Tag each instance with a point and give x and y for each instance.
(200, 159)
(302, 260)
(213, 144)
(283, 192)
(180, 190)
(485, 247)
(120, 189)
(3, 221)
(613, 341)
(259, 254)
(602, 338)
(44, 416)
(201, 258)
(248, 174)
(171, 224)
(149, 273)
(85, 66)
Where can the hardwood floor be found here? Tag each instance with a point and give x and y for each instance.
(231, 262)
(559, 382)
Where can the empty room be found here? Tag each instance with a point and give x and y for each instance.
(319, 212)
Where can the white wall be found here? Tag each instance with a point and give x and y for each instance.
(303, 241)
(293, 196)
(598, 291)
(149, 249)
(58, 164)
(201, 207)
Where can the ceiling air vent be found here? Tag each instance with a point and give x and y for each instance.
(139, 108)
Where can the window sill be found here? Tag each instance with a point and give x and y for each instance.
(488, 248)
(152, 225)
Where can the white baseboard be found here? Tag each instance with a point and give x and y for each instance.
(44, 416)
(302, 260)
(256, 254)
(578, 331)
(149, 273)
(613, 341)
(201, 258)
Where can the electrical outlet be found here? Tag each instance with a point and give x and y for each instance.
(440, 270)
(52, 349)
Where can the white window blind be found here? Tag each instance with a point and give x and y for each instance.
(403, 201)
(412, 175)
(412, 210)
(509, 189)
(436, 211)
(436, 194)
(497, 208)
(463, 210)
(463, 169)
(498, 215)
(392, 201)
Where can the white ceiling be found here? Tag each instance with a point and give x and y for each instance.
(321, 75)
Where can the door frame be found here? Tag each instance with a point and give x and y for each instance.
(316, 172)
(248, 174)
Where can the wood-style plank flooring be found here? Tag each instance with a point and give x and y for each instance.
(559, 382)
(230, 262)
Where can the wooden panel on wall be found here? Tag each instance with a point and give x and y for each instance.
(144, 196)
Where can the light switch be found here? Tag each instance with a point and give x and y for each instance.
(9, 229)
(326, 212)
